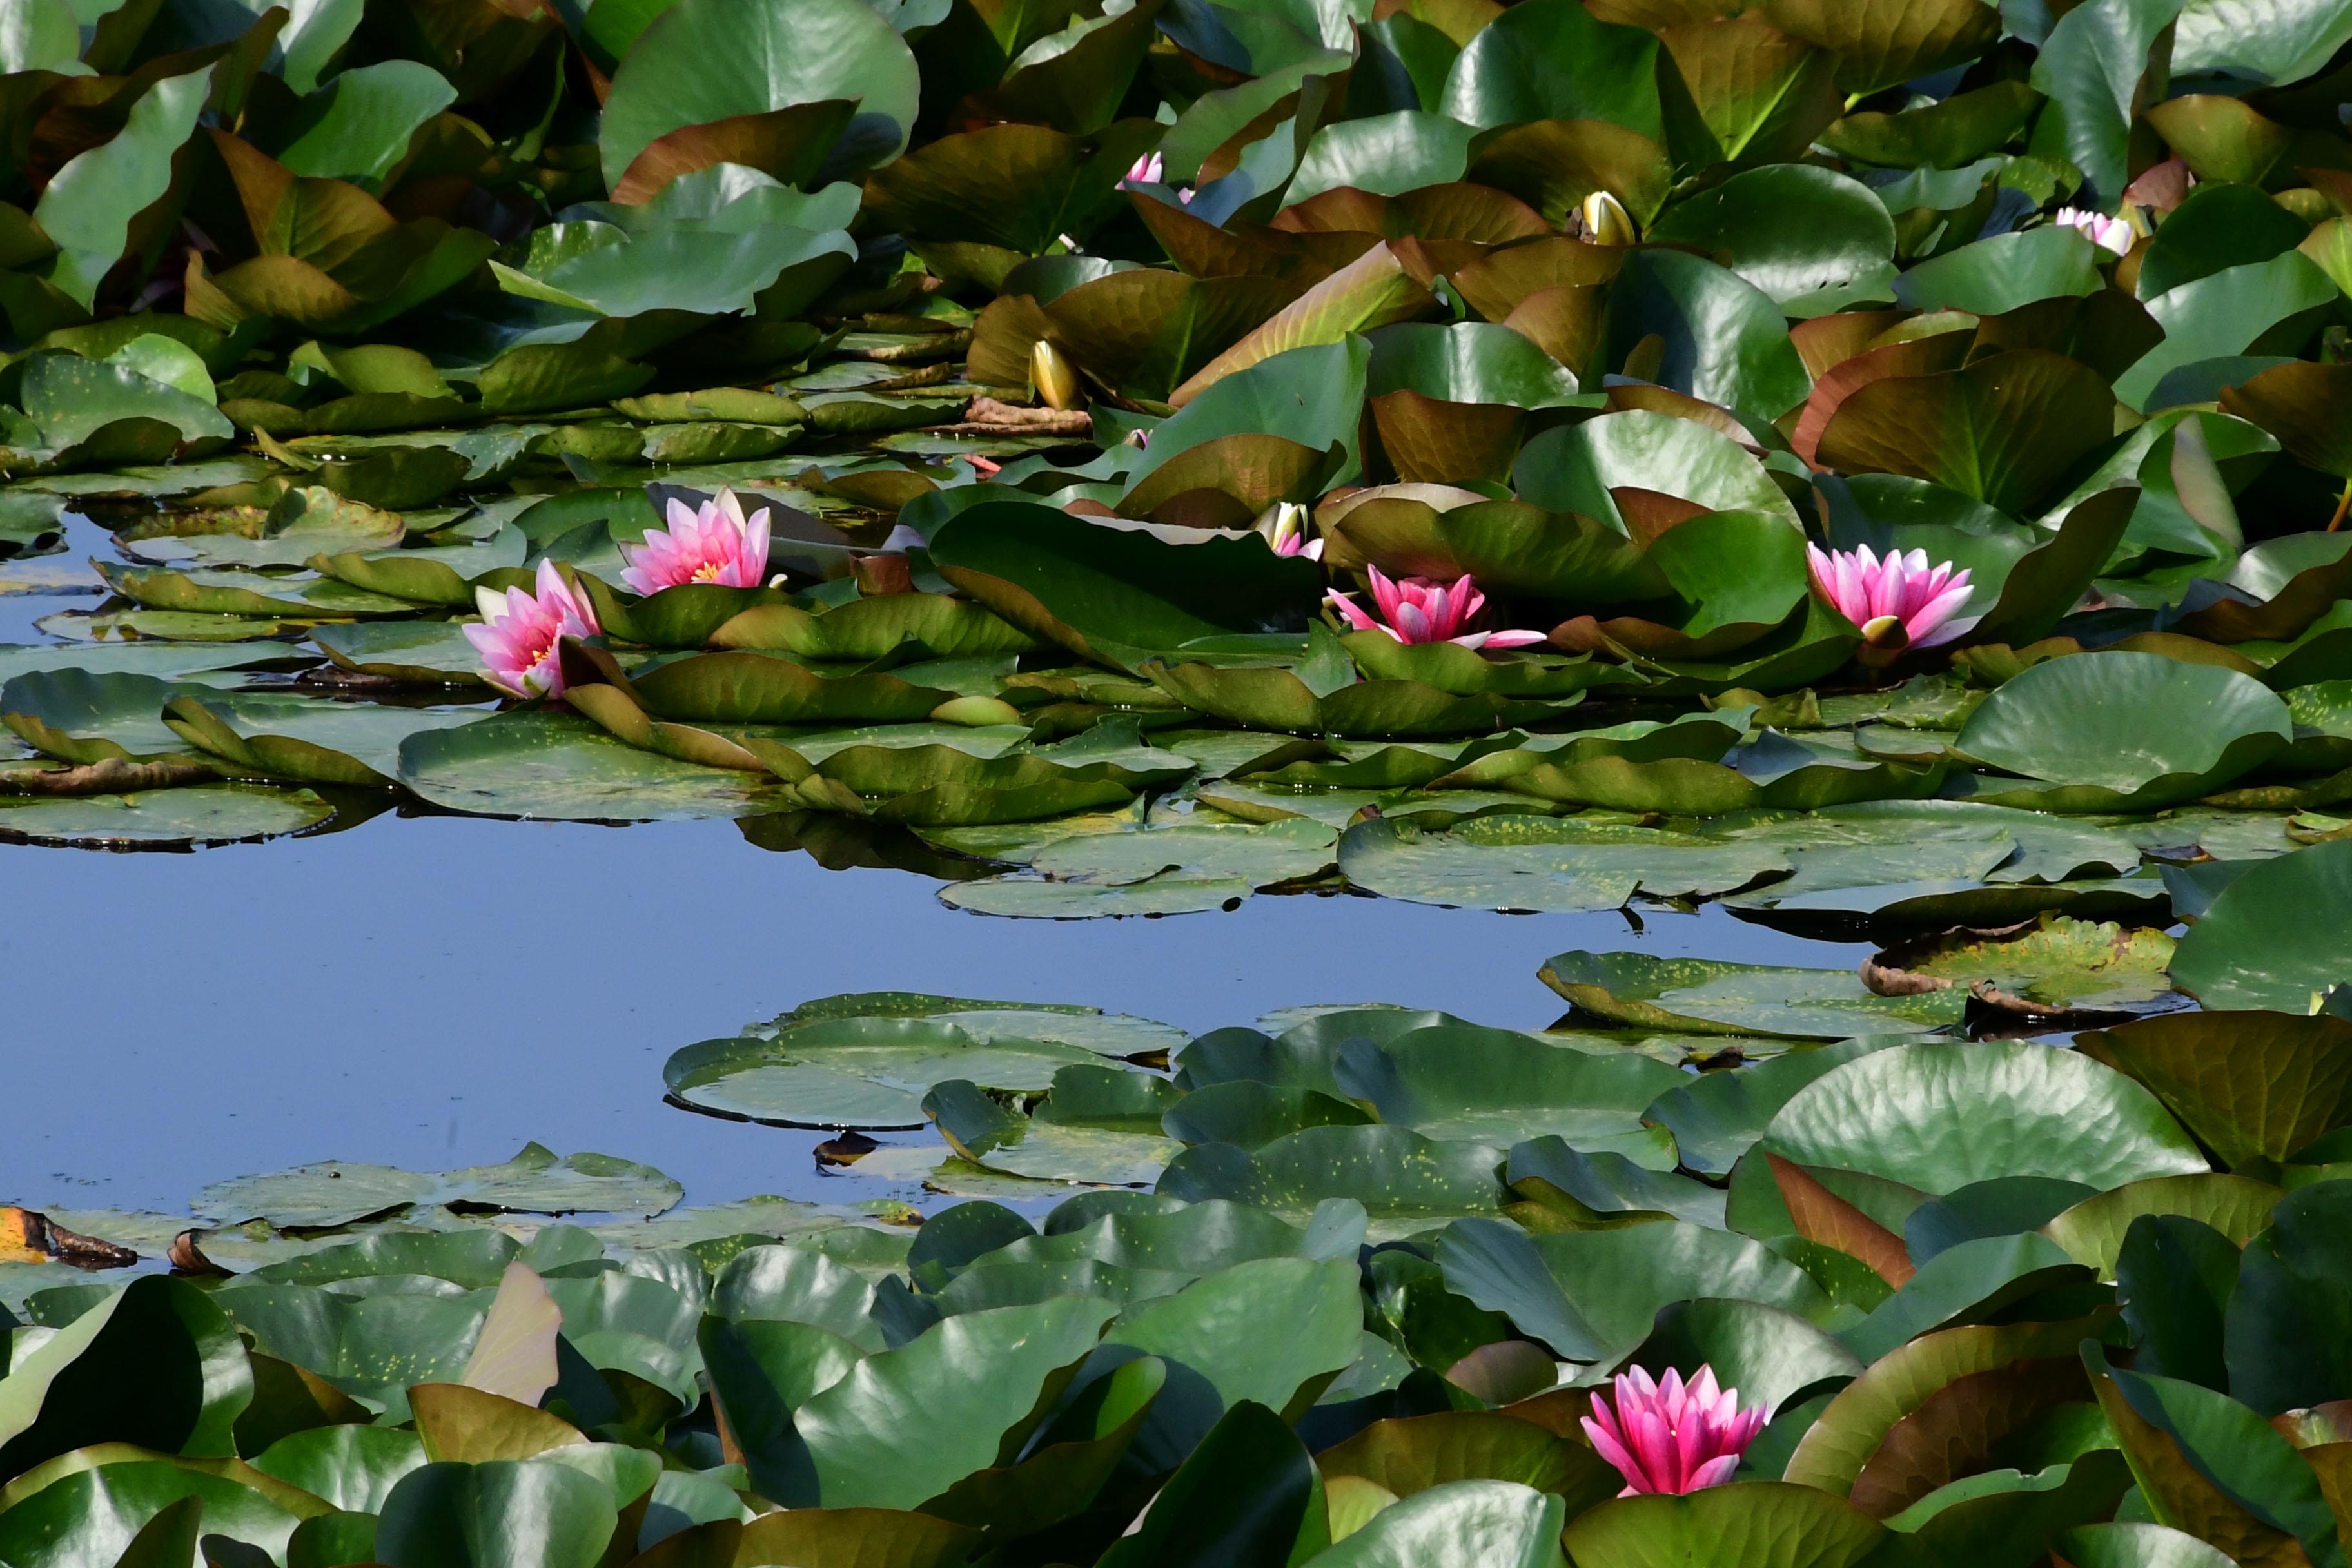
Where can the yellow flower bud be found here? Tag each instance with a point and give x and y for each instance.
(1607, 221)
(1052, 375)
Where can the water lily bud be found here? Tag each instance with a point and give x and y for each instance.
(1054, 377)
(1607, 221)
(974, 713)
(1284, 526)
(1883, 638)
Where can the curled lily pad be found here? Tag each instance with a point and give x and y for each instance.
(276, 735)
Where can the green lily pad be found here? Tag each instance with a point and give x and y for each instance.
(206, 813)
(1938, 1117)
(2060, 965)
(1544, 864)
(2123, 730)
(1704, 996)
(561, 766)
(870, 1072)
(536, 1181)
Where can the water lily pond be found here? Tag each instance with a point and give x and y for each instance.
(1176, 783)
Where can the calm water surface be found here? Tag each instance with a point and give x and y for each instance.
(435, 992)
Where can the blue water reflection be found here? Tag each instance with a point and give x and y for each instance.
(435, 992)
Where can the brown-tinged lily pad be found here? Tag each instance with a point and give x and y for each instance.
(2056, 965)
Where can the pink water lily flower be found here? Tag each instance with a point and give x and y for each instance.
(714, 545)
(1672, 1437)
(2107, 233)
(1287, 532)
(1419, 610)
(1152, 170)
(522, 635)
(1899, 602)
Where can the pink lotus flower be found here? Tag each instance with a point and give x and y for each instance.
(715, 544)
(2107, 233)
(1675, 1437)
(1286, 531)
(1150, 169)
(1899, 602)
(522, 635)
(1418, 610)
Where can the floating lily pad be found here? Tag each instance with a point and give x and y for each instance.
(168, 818)
(2123, 731)
(563, 766)
(869, 1072)
(1704, 996)
(536, 1181)
(2060, 965)
(1545, 864)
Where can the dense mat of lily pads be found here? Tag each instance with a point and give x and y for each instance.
(1882, 463)
(1355, 1286)
(1121, 461)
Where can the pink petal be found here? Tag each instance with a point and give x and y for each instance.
(1714, 1473)
(1512, 639)
(1347, 607)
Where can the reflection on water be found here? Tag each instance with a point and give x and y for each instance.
(433, 992)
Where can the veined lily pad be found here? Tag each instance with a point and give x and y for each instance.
(2123, 730)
